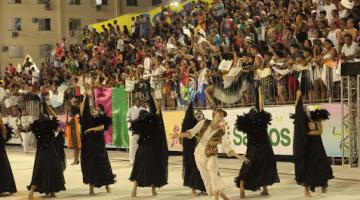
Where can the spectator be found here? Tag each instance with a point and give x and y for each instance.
(350, 49)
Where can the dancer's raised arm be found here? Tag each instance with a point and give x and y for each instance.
(3, 128)
(82, 106)
(261, 98)
(298, 96)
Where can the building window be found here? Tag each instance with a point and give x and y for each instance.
(156, 2)
(74, 2)
(101, 2)
(131, 2)
(45, 24)
(14, 1)
(16, 51)
(45, 50)
(15, 24)
(74, 24)
(100, 20)
(43, 1)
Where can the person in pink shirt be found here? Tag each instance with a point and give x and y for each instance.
(11, 69)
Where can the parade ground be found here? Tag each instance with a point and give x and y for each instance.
(345, 186)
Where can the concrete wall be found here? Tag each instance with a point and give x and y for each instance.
(61, 12)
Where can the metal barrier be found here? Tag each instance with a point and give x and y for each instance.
(29, 104)
(350, 101)
(277, 92)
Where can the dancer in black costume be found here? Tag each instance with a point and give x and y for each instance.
(261, 171)
(312, 168)
(49, 163)
(7, 182)
(151, 160)
(95, 164)
(191, 174)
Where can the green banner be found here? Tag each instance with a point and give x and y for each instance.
(119, 111)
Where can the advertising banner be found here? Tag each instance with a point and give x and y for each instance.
(280, 131)
(103, 96)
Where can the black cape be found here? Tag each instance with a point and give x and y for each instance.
(95, 165)
(151, 159)
(312, 168)
(7, 182)
(191, 174)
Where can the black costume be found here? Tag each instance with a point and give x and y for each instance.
(312, 168)
(151, 159)
(191, 174)
(50, 161)
(7, 182)
(95, 164)
(261, 170)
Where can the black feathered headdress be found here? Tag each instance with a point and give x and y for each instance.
(319, 114)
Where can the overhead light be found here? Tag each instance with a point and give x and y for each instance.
(174, 3)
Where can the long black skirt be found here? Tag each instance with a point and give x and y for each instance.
(317, 168)
(191, 174)
(48, 169)
(145, 170)
(261, 171)
(95, 164)
(7, 182)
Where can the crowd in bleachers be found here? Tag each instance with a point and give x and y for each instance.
(209, 54)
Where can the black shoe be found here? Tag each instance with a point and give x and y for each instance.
(76, 162)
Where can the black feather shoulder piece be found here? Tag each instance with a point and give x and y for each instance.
(41, 126)
(43, 130)
(264, 118)
(243, 123)
(253, 121)
(319, 115)
(104, 120)
(10, 132)
(142, 126)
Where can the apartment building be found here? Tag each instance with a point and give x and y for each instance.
(34, 26)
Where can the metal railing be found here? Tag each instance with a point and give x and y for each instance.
(281, 92)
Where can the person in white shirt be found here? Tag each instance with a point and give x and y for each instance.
(156, 72)
(350, 48)
(35, 75)
(2, 92)
(132, 115)
(345, 6)
(23, 125)
(329, 7)
(120, 44)
(211, 133)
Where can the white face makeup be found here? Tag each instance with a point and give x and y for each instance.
(199, 116)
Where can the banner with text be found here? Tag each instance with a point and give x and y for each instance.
(281, 131)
